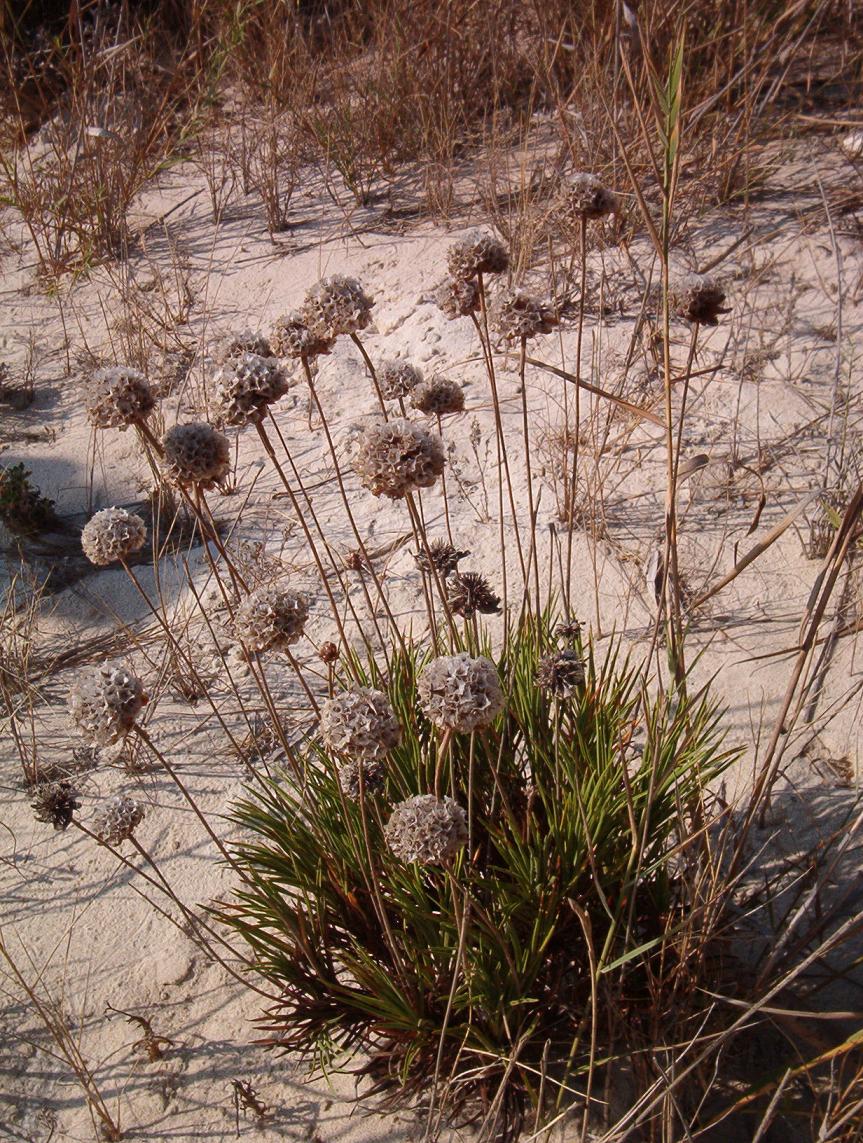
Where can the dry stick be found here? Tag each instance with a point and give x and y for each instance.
(423, 544)
(142, 734)
(372, 373)
(239, 581)
(574, 478)
(637, 410)
(443, 487)
(533, 554)
(206, 536)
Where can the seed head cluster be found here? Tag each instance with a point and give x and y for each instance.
(476, 253)
(355, 776)
(458, 298)
(438, 397)
(293, 338)
(118, 397)
(469, 592)
(56, 803)
(699, 300)
(117, 820)
(517, 315)
(441, 557)
(244, 387)
(397, 378)
(230, 348)
(426, 829)
(196, 454)
(460, 693)
(397, 457)
(335, 306)
(112, 534)
(104, 703)
(271, 618)
(586, 196)
(360, 724)
(561, 674)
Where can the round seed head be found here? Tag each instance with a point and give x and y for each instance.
(460, 693)
(570, 630)
(438, 397)
(245, 387)
(293, 338)
(373, 775)
(469, 592)
(55, 802)
(104, 704)
(117, 820)
(586, 196)
(426, 829)
(335, 306)
(112, 534)
(698, 299)
(397, 457)
(196, 454)
(328, 653)
(441, 556)
(561, 674)
(476, 253)
(118, 397)
(397, 378)
(517, 315)
(230, 348)
(270, 617)
(458, 298)
(361, 724)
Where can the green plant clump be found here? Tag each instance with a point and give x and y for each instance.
(23, 508)
(582, 848)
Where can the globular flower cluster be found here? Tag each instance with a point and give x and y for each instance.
(426, 829)
(517, 315)
(245, 387)
(361, 724)
(468, 593)
(118, 397)
(438, 397)
(104, 704)
(441, 557)
(460, 693)
(698, 299)
(397, 378)
(458, 298)
(271, 617)
(112, 534)
(586, 196)
(196, 454)
(232, 346)
(397, 457)
(361, 778)
(117, 820)
(56, 802)
(336, 305)
(476, 253)
(561, 674)
(293, 338)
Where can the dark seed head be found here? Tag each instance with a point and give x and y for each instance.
(561, 674)
(469, 593)
(441, 556)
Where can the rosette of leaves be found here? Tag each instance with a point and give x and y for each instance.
(574, 849)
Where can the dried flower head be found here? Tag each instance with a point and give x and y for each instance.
(355, 775)
(360, 723)
(397, 378)
(458, 297)
(561, 674)
(293, 338)
(585, 196)
(469, 592)
(328, 653)
(460, 693)
(231, 347)
(698, 299)
(397, 457)
(476, 253)
(441, 556)
(245, 387)
(196, 454)
(438, 397)
(112, 534)
(55, 802)
(426, 829)
(270, 617)
(117, 820)
(516, 315)
(104, 704)
(570, 630)
(118, 397)
(335, 306)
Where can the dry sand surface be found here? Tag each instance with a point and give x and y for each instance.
(773, 416)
